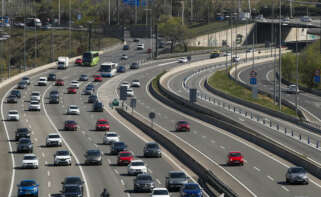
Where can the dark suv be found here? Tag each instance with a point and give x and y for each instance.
(72, 191)
(117, 147)
(92, 99)
(98, 107)
(152, 149)
(16, 93)
(52, 77)
(143, 182)
(175, 180)
(22, 133)
(54, 99)
(73, 181)
(12, 99)
(25, 145)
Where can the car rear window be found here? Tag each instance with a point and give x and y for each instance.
(125, 154)
(53, 136)
(112, 135)
(27, 183)
(235, 154)
(177, 175)
(137, 163)
(160, 192)
(191, 186)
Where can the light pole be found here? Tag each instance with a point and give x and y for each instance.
(24, 37)
(89, 33)
(297, 70)
(280, 60)
(70, 52)
(59, 12)
(109, 12)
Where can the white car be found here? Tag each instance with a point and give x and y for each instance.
(110, 137)
(62, 157)
(125, 83)
(35, 96)
(227, 54)
(160, 192)
(13, 115)
(26, 79)
(124, 57)
(42, 81)
(182, 60)
(140, 47)
(73, 110)
(236, 59)
(130, 92)
(292, 89)
(137, 167)
(306, 19)
(30, 161)
(74, 84)
(135, 83)
(53, 139)
(34, 105)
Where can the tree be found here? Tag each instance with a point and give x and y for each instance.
(174, 31)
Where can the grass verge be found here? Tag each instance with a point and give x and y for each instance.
(220, 81)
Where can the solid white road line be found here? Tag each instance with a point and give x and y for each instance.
(286, 189)
(257, 169)
(271, 178)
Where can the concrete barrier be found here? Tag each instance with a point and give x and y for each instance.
(180, 150)
(235, 128)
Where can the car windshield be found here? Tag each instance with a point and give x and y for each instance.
(75, 82)
(191, 186)
(22, 83)
(160, 192)
(12, 96)
(182, 122)
(51, 75)
(42, 79)
(13, 112)
(29, 157)
(112, 135)
(70, 122)
(137, 163)
(34, 102)
(21, 130)
(135, 80)
(145, 178)
(24, 141)
(177, 175)
(54, 92)
(118, 144)
(73, 180)
(102, 122)
(27, 183)
(72, 189)
(125, 154)
(134, 64)
(93, 96)
(73, 107)
(25, 78)
(53, 136)
(89, 88)
(15, 92)
(62, 153)
(152, 146)
(83, 76)
(93, 152)
(297, 170)
(235, 154)
(35, 94)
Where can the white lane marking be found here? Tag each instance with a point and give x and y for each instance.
(89, 138)
(43, 154)
(213, 141)
(122, 181)
(27, 120)
(29, 125)
(222, 147)
(150, 171)
(108, 160)
(65, 142)
(48, 173)
(10, 144)
(158, 181)
(36, 139)
(269, 177)
(49, 184)
(96, 145)
(46, 162)
(24, 114)
(116, 171)
(286, 189)
(128, 195)
(203, 136)
(245, 161)
(257, 169)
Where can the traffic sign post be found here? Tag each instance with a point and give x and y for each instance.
(192, 95)
(123, 94)
(316, 77)
(152, 116)
(133, 104)
(253, 81)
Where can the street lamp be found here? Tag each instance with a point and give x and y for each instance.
(89, 32)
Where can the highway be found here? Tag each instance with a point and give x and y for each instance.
(265, 78)
(51, 119)
(261, 167)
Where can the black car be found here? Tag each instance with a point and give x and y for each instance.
(134, 65)
(22, 133)
(54, 99)
(25, 145)
(16, 93)
(152, 149)
(54, 93)
(126, 47)
(136, 40)
(22, 85)
(73, 181)
(12, 99)
(52, 77)
(92, 99)
(143, 182)
(121, 69)
(98, 107)
(72, 191)
(117, 147)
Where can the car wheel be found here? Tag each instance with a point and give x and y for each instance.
(287, 181)
(100, 163)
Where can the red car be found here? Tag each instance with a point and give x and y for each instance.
(71, 125)
(72, 90)
(60, 82)
(102, 125)
(235, 158)
(78, 61)
(124, 158)
(98, 78)
(182, 125)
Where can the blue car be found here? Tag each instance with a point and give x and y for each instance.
(121, 69)
(28, 188)
(191, 189)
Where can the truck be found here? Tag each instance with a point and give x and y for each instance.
(63, 62)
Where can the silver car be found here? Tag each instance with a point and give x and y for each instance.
(296, 175)
(93, 157)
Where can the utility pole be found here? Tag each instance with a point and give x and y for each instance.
(70, 52)
(280, 60)
(109, 12)
(291, 13)
(24, 36)
(89, 40)
(191, 10)
(183, 8)
(297, 70)
(59, 12)
(136, 12)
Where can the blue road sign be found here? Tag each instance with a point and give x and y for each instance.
(253, 80)
(317, 78)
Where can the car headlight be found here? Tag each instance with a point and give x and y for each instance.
(35, 189)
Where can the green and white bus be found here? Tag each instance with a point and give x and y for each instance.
(90, 58)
